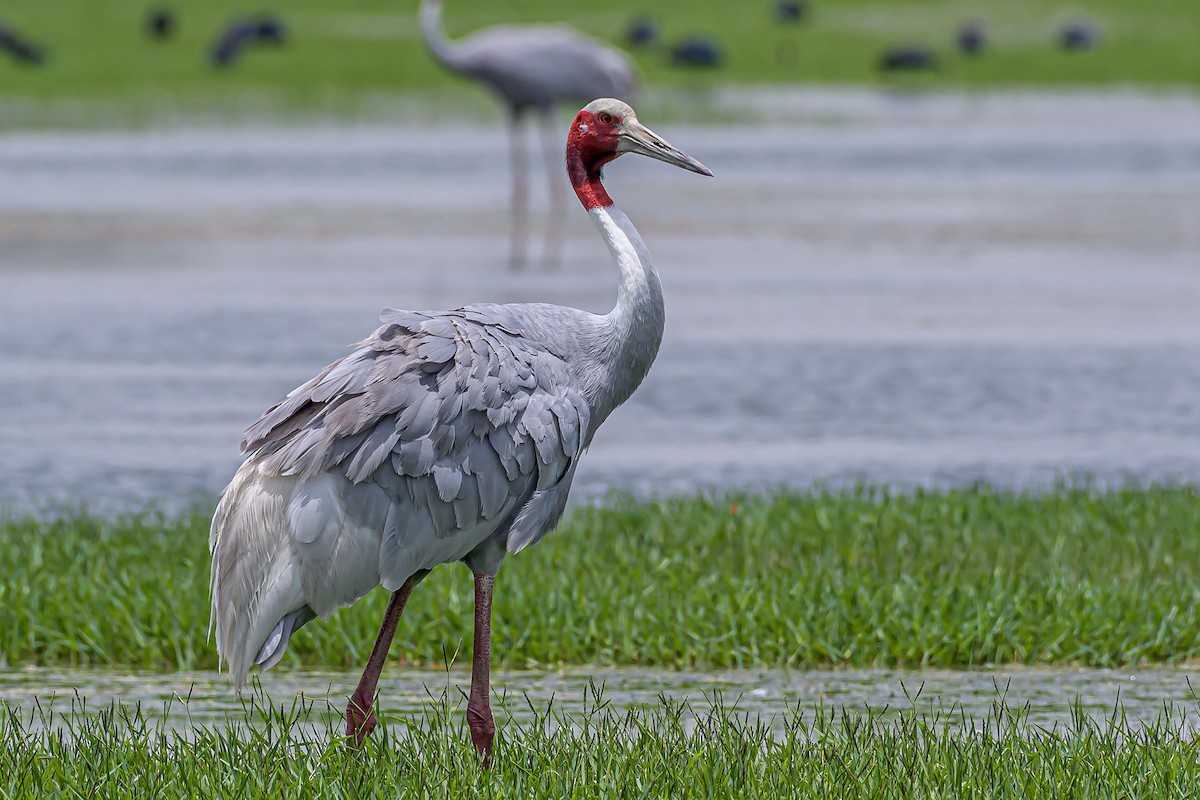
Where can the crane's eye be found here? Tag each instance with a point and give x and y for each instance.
(606, 118)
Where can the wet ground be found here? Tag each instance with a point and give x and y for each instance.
(1047, 697)
(928, 290)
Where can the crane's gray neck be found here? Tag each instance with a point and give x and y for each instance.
(442, 49)
(625, 341)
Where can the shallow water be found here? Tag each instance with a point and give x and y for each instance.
(1049, 697)
(931, 290)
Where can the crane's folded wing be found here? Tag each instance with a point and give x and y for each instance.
(455, 414)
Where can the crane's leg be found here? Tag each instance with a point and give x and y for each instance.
(520, 196)
(479, 706)
(359, 719)
(552, 147)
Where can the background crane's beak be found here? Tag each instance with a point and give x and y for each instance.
(637, 138)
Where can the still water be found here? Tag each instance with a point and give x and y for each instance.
(1048, 698)
(930, 290)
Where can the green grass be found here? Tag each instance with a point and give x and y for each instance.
(125, 752)
(802, 580)
(356, 57)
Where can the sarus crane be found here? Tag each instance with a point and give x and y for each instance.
(532, 68)
(444, 436)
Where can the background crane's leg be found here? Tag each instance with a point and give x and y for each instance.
(520, 196)
(359, 719)
(558, 195)
(479, 706)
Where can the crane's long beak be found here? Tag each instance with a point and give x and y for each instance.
(637, 138)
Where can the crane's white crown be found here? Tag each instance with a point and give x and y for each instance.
(613, 106)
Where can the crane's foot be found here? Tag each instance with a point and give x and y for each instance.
(359, 721)
(483, 732)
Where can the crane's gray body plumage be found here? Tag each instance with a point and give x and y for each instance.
(442, 437)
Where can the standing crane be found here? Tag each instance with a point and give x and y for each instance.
(532, 68)
(444, 436)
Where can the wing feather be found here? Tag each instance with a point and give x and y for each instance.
(458, 418)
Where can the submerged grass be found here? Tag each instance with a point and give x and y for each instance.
(672, 750)
(950, 579)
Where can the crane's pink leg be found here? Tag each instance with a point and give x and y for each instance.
(558, 195)
(479, 706)
(520, 197)
(359, 719)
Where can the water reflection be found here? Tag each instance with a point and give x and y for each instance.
(1050, 696)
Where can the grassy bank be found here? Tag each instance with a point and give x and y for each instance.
(946, 579)
(127, 752)
(356, 57)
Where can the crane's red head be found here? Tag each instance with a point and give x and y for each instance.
(602, 131)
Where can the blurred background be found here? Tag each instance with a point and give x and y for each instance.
(947, 242)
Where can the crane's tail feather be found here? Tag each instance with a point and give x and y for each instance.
(277, 640)
(255, 580)
(283, 553)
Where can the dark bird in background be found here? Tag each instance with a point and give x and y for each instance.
(22, 50)
(697, 52)
(234, 40)
(160, 24)
(1078, 35)
(642, 32)
(908, 58)
(271, 30)
(791, 10)
(972, 38)
(241, 34)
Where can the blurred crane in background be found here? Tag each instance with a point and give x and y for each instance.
(532, 68)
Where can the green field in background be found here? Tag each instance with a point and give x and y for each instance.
(357, 57)
(949, 579)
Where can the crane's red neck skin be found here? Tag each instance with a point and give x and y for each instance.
(590, 145)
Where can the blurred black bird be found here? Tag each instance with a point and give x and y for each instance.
(702, 52)
(642, 32)
(271, 30)
(791, 10)
(972, 38)
(907, 58)
(241, 34)
(160, 23)
(1078, 35)
(234, 40)
(22, 50)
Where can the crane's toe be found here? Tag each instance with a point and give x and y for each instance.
(360, 721)
(483, 731)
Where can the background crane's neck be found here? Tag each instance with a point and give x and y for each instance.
(626, 340)
(443, 50)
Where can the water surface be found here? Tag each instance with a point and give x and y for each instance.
(931, 290)
(1048, 697)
